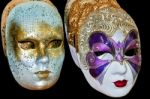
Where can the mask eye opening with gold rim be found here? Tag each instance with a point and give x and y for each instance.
(104, 43)
(33, 42)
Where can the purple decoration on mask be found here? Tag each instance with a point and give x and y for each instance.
(117, 45)
(132, 45)
(131, 36)
(99, 37)
(119, 57)
(100, 47)
(96, 72)
(135, 59)
(93, 61)
(100, 43)
(118, 50)
(134, 66)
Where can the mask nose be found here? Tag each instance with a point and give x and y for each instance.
(42, 56)
(119, 57)
(119, 67)
(43, 60)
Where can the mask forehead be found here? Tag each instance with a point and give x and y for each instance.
(33, 12)
(29, 13)
(107, 20)
(40, 32)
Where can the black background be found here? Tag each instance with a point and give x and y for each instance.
(72, 82)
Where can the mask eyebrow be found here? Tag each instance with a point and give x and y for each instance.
(99, 37)
(130, 37)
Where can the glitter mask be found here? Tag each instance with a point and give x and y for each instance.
(104, 43)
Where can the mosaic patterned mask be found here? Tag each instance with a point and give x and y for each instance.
(104, 43)
(33, 42)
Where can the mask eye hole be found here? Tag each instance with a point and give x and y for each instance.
(99, 53)
(26, 45)
(131, 52)
(55, 43)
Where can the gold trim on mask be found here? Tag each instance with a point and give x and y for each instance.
(79, 11)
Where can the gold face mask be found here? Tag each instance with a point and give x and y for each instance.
(33, 42)
(104, 43)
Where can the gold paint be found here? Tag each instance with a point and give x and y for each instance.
(26, 45)
(13, 30)
(41, 40)
(79, 11)
(5, 14)
(57, 52)
(55, 43)
(42, 75)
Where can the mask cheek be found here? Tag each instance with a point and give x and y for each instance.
(56, 52)
(135, 63)
(91, 59)
(28, 58)
(56, 58)
(55, 64)
(96, 65)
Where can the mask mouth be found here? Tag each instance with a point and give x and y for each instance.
(42, 75)
(120, 83)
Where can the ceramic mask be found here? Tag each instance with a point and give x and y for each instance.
(33, 42)
(104, 43)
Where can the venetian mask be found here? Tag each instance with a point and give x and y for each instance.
(33, 41)
(104, 43)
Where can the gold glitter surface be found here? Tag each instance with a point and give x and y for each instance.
(79, 11)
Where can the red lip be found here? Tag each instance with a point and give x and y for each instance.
(120, 83)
